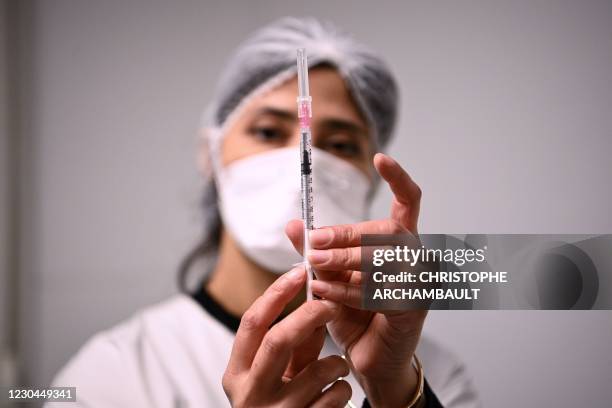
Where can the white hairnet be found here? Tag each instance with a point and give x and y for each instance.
(268, 58)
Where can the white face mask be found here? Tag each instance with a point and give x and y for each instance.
(258, 195)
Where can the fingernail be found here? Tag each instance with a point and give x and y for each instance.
(296, 273)
(330, 304)
(320, 287)
(320, 237)
(318, 257)
(388, 158)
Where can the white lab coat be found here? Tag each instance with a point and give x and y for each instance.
(173, 354)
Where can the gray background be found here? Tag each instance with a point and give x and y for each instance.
(506, 125)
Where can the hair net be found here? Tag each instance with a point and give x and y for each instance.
(268, 58)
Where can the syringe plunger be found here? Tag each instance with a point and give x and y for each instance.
(302, 73)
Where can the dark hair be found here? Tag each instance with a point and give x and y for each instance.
(208, 244)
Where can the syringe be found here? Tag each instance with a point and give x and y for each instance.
(304, 102)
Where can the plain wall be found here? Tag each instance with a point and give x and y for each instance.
(7, 204)
(4, 185)
(506, 124)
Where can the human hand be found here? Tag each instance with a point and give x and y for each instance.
(379, 345)
(278, 366)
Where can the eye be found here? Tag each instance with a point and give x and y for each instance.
(268, 134)
(342, 147)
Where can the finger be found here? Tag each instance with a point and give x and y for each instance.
(347, 235)
(349, 294)
(272, 358)
(295, 231)
(306, 353)
(258, 318)
(309, 383)
(406, 205)
(336, 259)
(338, 395)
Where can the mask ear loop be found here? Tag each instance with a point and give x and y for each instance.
(212, 144)
(205, 154)
(211, 165)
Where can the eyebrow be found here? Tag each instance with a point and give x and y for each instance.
(344, 125)
(279, 113)
(327, 123)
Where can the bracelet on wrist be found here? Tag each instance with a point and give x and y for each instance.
(420, 383)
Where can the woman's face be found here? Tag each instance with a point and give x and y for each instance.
(270, 121)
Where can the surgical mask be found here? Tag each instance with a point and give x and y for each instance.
(259, 194)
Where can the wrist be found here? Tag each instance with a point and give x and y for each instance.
(401, 389)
